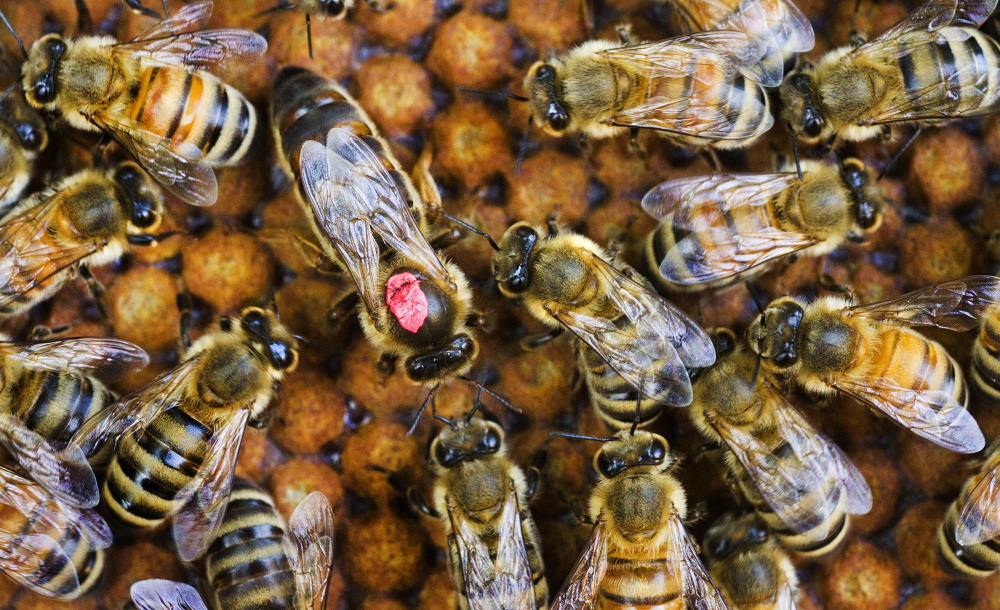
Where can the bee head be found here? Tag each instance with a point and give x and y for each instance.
(800, 109)
(333, 8)
(511, 262)
(867, 198)
(263, 329)
(28, 125)
(774, 334)
(466, 439)
(631, 450)
(732, 533)
(39, 71)
(546, 103)
(141, 196)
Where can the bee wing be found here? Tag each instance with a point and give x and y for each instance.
(697, 588)
(178, 166)
(504, 582)
(955, 305)
(154, 594)
(786, 598)
(28, 256)
(66, 474)
(134, 412)
(716, 254)
(934, 15)
(723, 191)
(932, 414)
(354, 198)
(979, 516)
(678, 57)
(20, 561)
(221, 51)
(696, 117)
(104, 357)
(201, 504)
(192, 16)
(584, 582)
(308, 544)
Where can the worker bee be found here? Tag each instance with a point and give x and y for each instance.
(985, 354)
(23, 136)
(931, 66)
(967, 539)
(800, 483)
(47, 389)
(154, 96)
(778, 24)
(750, 569)
(870, 353)
(416, 305)
(88, 219)
(306, 106)
(50, 546)
(639, 554)
(720, 229)
(698, 90)
(482, 497)
(176, 440)
(632, 344)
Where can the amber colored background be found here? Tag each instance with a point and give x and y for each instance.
(339, 414)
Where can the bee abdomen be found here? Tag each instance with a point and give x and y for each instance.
(613, 397)
(198, 109)
(985, 370)
(944, 74)
(149, 469)
(55, 404)
(639, 583)
(977, 560)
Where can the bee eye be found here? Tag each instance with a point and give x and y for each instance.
(785, 359)
(813, 125)
(30, 137)
(44, 91)
(142, 216)
(609, 467)
(799, 81)
(490, 443)
(518, 284)
(757, 535)
(867, 215)
(556, 117)
(447, 456)
(282, 356)
(655, 453)
(546, 73)
(333, 7)
(254, 322)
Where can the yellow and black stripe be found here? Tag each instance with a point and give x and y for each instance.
(976, 560)
(55, 404)
(985, 369)
(246, 565)
(918, 363)
(649, 581)
(613, 397)
(195, 108)
(149, 469)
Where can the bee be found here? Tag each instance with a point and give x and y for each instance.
(639, 554)
(800, 483)
(47, 389)
(985, 354)
(930, 67)
(631, 342)
(698, 90)
(778, 24)
(154, 96)
(482, 497)
(306, 106)
(967, 539)
(750, 569)
(50, 546)
(870, 353)
(416, 304)
(176, 440)
(23, 136)
(257, 561)
(720, 229)
(86, 220)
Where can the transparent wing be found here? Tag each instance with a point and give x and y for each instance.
(191, 17)
(354, 199)
(166, 595)
(786, 598)
(955, 305)
(934, 15)
(931, 414)
(66, 474)
(308, 544)
(29, 257)
(697, 588)
(105, 358)
(584, 582)
(677, 57)
(979, 516)
(506, 581)
(19, 561)
(178, 166)
(716, 254)
(134, 412)
(723, 191)
(201, 504)
(223, 51)
(699, 116)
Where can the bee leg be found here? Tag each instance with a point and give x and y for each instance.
(698, 513)
(42, 332)
(534, 473)
(625, 34)
(576, 509)
(713, 159)
(96, 289)
(137, 6)
(476, 319)
(533, 342)
(413, 496)
(184, 305)
(387, 364)
(342, 309)
(446, 239)
(84, 22)
(826, 282)
(552, 222)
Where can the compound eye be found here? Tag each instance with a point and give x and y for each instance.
(557, 118)
(518, 284)
(142, 216)
(867, 215)
(490, 443)
(254, 322)
(333, 7)
(30, 137)
(609, 467)
(446, 456)
(282, 356)
(546, 73)
(813, 123)
(757, 535)
(655, 452)
(785, 360)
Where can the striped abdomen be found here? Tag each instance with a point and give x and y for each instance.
(533, 547)
(246, 564)
(646, 579)
(613, 397)
(198, 109)
(954, 72)
(54, 404)
(305, 106)
(912, 361)
(48, 568)
(149, 469)
(985, 369)
(977, 560)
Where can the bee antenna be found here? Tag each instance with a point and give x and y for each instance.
(487, 92)
(638, 409)
(795, 150)
(444, 419)
(756, 367)
(281, 6)
(309, 34)
(301, 339)
(522, 150)
(462, 223)
(423, 407)
(756, 296)
(479, 403)
(583, 437)
(7, 92)
(899, 154)
(483, 388)
(20, 43)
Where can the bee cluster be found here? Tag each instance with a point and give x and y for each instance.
(284, 293)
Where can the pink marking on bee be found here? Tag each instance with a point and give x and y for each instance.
(406, 300)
